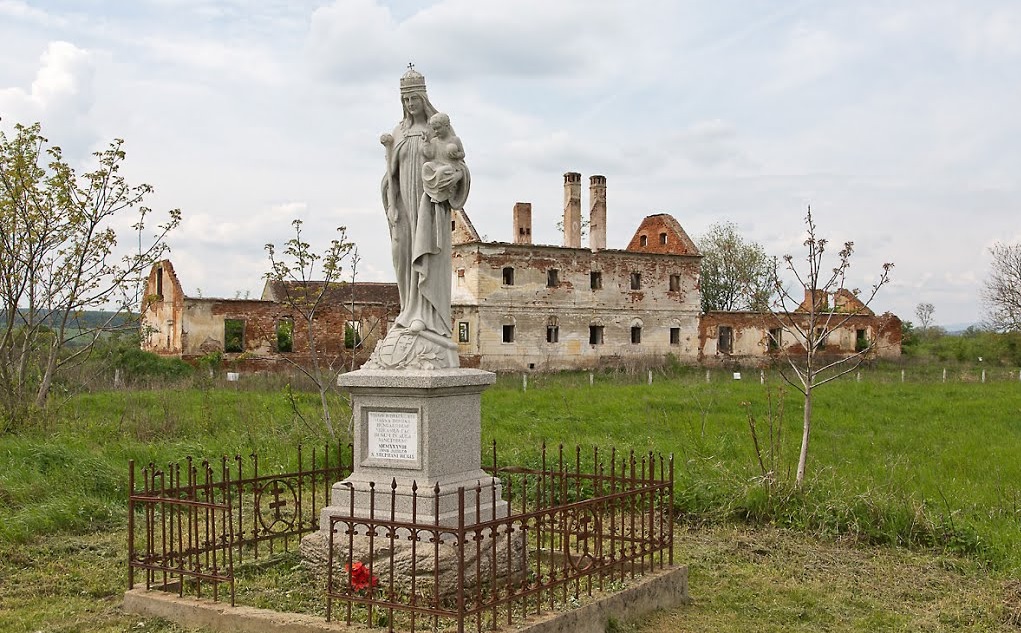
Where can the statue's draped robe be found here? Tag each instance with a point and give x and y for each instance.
(420, 234)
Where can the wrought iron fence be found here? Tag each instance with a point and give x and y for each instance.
(536, 539)
(200, 519)
(564, 532)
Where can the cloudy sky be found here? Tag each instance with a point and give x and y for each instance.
(897, 121)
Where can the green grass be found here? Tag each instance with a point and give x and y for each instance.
(926, 464)
(930, 465)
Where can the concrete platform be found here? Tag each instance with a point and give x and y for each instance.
(660, 590)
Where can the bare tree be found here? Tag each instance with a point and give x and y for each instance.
(1001, 291)
(304, 294)
(924, 312)
(59, 258)
(735, 273)
(811, 321)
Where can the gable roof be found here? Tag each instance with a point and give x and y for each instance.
(663, 234)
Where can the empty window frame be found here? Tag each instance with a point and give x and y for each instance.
(352, 334)
(159, 282)
(775, 338)
(508, 276)
(552, 330)
(595, 279)
(675, 283)
(463, 332)
(861, 340)
(636, 334)
(675, 336)
(233, 336)
(552, 278)
(508, 333)
(285, 335)
(643, 240)
(725, 340)
(662, 238)
(636, 281)
(595, 334)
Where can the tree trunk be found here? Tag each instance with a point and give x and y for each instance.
(47, 379)
(806, 431)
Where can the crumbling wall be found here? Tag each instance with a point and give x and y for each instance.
(161, 311)
(205, 321)
(751, 337)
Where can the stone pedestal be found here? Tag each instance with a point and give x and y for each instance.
(420, 429)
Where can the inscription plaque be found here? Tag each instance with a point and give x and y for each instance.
(393, 435)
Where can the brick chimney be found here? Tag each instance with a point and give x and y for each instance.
(597, 213)
(522, 222)
(572, 209)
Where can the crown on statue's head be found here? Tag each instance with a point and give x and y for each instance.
(412, 81)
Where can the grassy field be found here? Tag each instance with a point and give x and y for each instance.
(928, 465)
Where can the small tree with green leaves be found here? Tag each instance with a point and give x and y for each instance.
(306, 277)
(59, 259)
(735, 272)
(805, 314)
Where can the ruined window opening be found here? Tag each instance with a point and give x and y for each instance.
(595, 279)
(159, 282)
(861, 340)
(552, 278)
(553, 330)
(675, 283)
(636, 334)
(725, 340)
(508, 334)
(508, 276)
(233, 336)
(460, 277)
(453, 225)
(463, 332)
(675, 336)
(285, 335)
(636, 281)
(662, 238)
(352, 334)
(595, 335)
(775, 338)
(643, 240)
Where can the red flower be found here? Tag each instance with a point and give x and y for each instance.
(361, 578)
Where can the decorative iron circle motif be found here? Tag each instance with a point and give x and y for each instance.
(584, 538)
(276, 504)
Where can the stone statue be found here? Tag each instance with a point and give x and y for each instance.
(425, 178)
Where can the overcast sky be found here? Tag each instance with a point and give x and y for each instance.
(897, 121)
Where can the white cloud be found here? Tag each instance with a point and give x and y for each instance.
(61, 96)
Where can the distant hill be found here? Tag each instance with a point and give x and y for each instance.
(91, 319)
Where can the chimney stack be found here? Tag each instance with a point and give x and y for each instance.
(522, 222)
(572, 209)
(597, 213)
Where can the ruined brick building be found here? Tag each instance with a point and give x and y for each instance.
(256, 333)
(520, 306)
